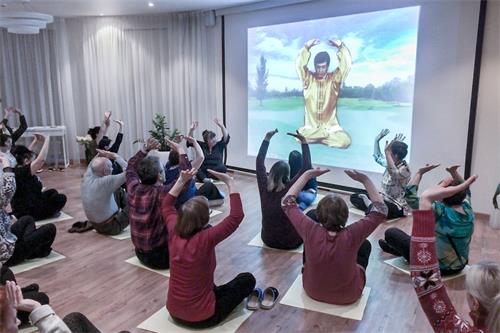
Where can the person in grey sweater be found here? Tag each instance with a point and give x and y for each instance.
(104, 200)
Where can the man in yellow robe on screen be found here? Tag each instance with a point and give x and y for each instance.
(321, 92)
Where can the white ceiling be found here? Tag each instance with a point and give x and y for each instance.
(67, 8)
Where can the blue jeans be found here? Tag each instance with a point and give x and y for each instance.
(305, 199)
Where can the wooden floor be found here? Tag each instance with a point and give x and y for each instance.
(95, 280)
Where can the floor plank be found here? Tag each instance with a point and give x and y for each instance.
(95, 280)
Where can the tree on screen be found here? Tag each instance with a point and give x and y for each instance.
(261, 81)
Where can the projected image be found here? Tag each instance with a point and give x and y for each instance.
(338, 81)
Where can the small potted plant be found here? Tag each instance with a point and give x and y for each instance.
(160, 131)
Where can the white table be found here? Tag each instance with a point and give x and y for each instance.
(51, 131)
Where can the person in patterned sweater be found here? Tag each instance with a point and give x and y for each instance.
(482, 279)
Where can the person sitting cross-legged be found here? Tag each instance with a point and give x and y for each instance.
(103, 198)
(335, 255)
(145, 179)
(193, 299)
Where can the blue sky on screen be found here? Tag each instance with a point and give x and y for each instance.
(383, 45)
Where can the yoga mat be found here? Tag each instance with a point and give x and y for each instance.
(403, 266)
(297, 297)
(257, 241)
(60, 218)
(161, 322)
(35, 263)
(134, 261)
(28, 329)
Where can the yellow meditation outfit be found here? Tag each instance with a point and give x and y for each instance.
(320, 99)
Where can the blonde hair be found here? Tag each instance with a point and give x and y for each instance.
(483, 283)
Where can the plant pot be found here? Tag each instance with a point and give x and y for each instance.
(162, 155)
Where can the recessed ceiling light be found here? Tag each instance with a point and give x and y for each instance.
(101, 14)
(151, 4)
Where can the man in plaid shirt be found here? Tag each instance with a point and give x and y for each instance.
(145, 190)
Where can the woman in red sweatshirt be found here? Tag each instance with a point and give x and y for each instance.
(482, 279)
(193, 300)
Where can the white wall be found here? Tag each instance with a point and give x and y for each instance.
(486, 150)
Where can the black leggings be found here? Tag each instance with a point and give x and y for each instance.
(394, 211)
(31, 242)
(398, 244)
(52, 202)
(203, 173)
(77, 322)
(364, 250)
(156, 259)
(227, 298)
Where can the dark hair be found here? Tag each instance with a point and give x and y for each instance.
(278, 177)
(21, 153)
(148, 170)
(3, 139)
(457, 198)
(399, 149)
(208, 135)
(322, 57)
(94, 132)
(192, 216)
(173, 158)
(332, 212)
(105, 141)
(295, 162)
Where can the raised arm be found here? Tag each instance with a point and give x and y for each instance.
(377, 154)
(23, 126)
(39, 161)
(411, 190)
(304, 179)
(344, 58)
(200, 157)
(424, 265)
(225, 134)
(306, 155)
(399, 174)
(225, 228)
(104, 127)
(119, 137)
(378, 210)
(131, 176)
(194, 125)
(113, 182)
(453, 171)
(303, 60)
(260, 166)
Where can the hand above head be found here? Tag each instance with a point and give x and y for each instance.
(428, 167)
(107, 154)
(187, 175)
(175, 146)
(399, 137)
(298, 136)
(357, 176)
(270, 134)
(189, 139)
(453, 168)
(312, 42)
(194, 125)
(224, 177)
(39, 137)
(152, 144)
(119, 122)
(17, 110)
(15, 296)
(383, 133)
(316, 172)
(388, 146)
(443, 190)
(335, 42)
(107, 117)
(217, 122)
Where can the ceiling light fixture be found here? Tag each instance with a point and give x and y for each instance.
(151, 4)
(24, 22)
